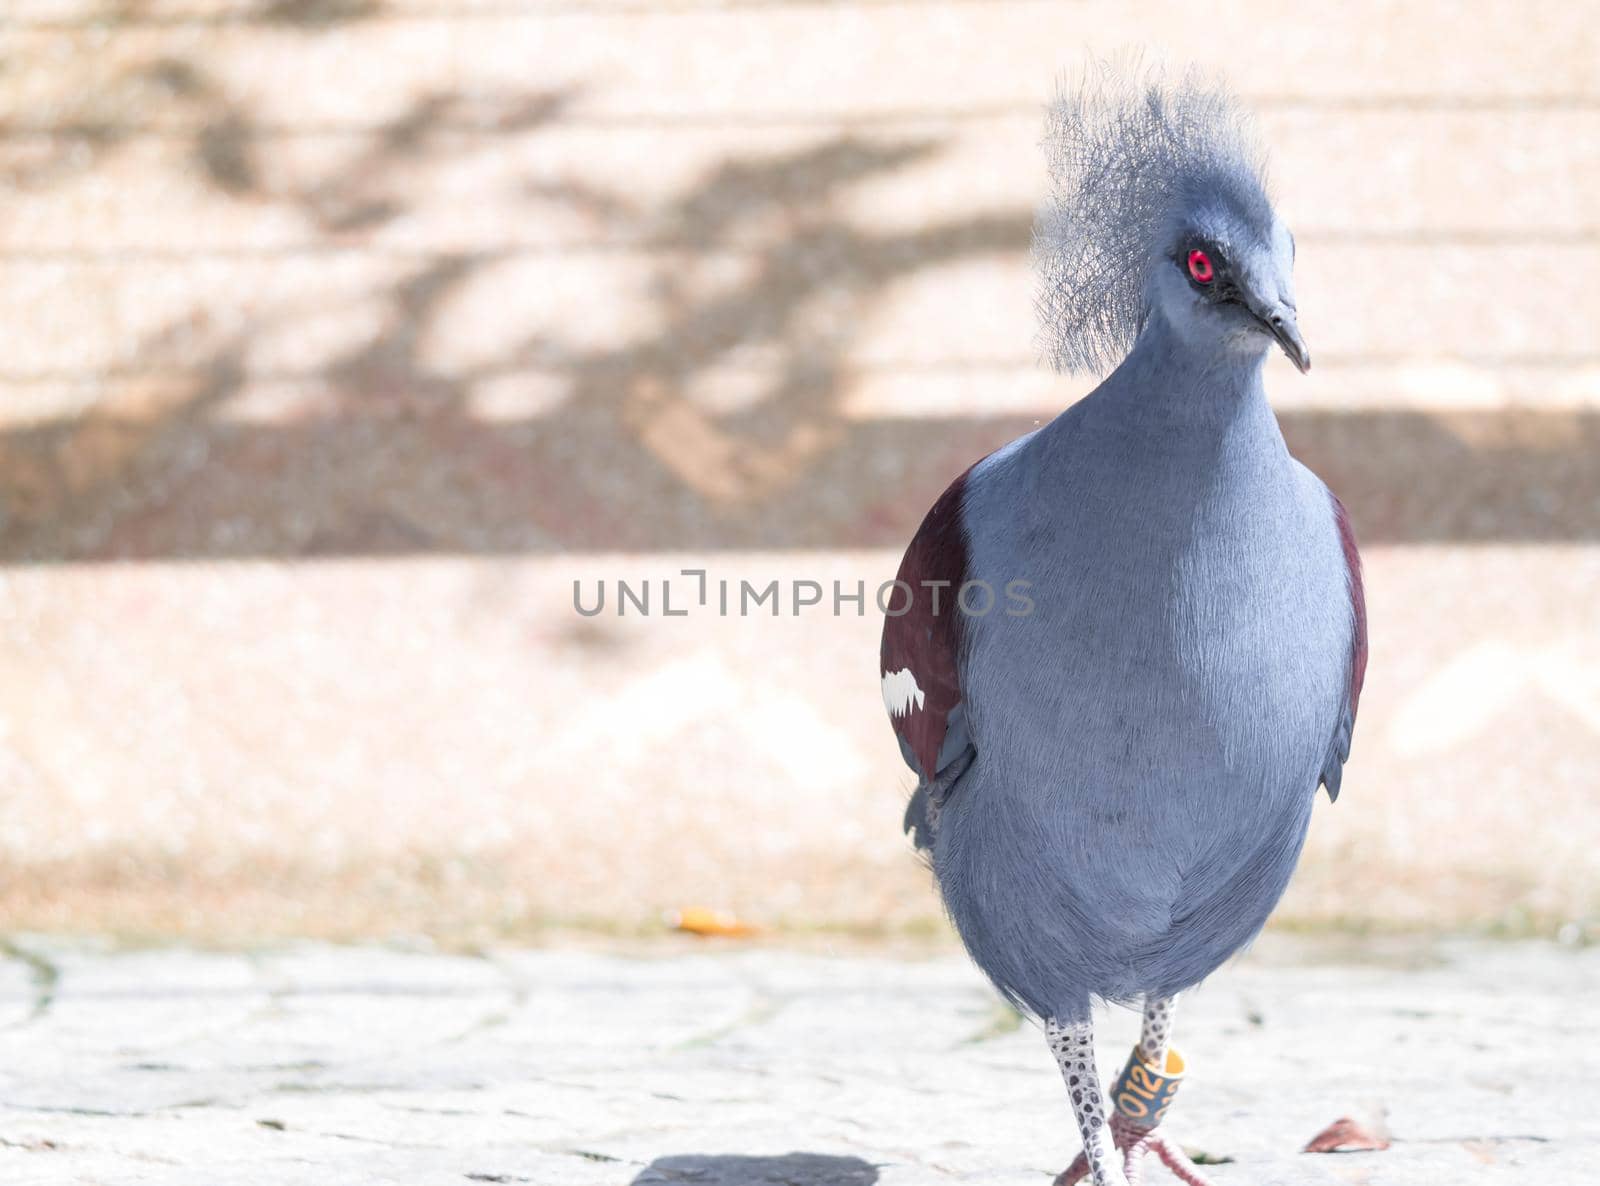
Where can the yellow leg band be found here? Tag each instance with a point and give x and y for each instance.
(1142, 1093)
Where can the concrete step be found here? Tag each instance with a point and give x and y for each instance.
(230, 749)
(957, 294)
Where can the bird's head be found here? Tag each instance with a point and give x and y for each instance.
(1226, 278)
(1158, 208)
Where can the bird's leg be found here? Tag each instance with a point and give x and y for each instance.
(1139, 1098)
(1156, 1033)
(1142, 1095)
(1073, 1045)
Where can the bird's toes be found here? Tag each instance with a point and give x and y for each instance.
(1074, 1173)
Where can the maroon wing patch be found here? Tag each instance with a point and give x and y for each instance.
(922, 633)
(1358, 604)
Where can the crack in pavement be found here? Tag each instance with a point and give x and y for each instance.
(44, 976)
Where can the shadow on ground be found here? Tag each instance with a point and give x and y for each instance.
(790, 1169)
(718, 420)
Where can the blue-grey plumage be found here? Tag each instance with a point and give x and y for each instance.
(1147, 742)
(1128, 771)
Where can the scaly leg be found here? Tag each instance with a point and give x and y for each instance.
(1156, 1033)
(1135, 1139)
(1129, 1135)
(1073, 1045)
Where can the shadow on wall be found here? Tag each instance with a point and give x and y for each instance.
(308, 14)
(791, 1169)
(380, 450)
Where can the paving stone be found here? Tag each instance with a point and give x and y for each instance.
(756, 1066)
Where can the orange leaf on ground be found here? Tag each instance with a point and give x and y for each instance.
(1344, 1135)
(698, 921)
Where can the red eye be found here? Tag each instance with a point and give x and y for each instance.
(1200, 267)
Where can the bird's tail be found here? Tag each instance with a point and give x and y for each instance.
(927, 801)
(922, 816)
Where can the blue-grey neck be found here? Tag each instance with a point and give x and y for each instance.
(1169, 381)
(1175, 396)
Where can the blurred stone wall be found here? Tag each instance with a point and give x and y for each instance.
(344, 336)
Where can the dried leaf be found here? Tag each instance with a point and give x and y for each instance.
(718, 923)
(1344, 1135)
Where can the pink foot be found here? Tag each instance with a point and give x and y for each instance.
(1135, 1142)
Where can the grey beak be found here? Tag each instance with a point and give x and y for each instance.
(1280, 323)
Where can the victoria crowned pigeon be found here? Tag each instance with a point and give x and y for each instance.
(1123, 650)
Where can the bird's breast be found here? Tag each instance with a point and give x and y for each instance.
(1168, 640)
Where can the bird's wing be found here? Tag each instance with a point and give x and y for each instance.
(920, 660)
(1339, 748)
